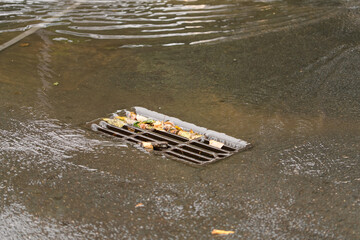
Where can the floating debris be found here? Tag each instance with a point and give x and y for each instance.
(139, 205)
(24, 44)
(221, 232)
(145, 123)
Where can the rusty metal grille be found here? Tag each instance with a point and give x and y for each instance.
(195, 152)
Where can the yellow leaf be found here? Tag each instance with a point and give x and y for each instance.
(121, 118)
(184, 134)
(178, 128)
(114, 122)
(221, 232)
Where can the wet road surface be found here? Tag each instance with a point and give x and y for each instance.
(282, 75)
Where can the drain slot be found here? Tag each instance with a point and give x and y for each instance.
(119, 130)
(191, 154)
(208, 147)
(228, 148)
(198, 151)
(133, 129)
(143, 138)
(173, 136)
(187, 159)
(133, 140)
(160, 138)
(107, 131)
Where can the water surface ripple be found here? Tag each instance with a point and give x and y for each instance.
(144, 23)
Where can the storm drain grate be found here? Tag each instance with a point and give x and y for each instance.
(195, 151)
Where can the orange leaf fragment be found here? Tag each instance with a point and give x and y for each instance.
(139, 205)
(132, 116)
(24, 44)
(221, 232)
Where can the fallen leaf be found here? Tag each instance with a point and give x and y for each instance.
(174, 131)
(132, 115)
(24, 44)
(195, 136)
(216, 144)
(178, 128)
(141, 118)
(158, 125)
(147, 145)
(139, 205)
(170, 123)
(184, 134)
(221, 232)
(136, 124)
(121, 118)
(114, 122)
(56, 83)
(149, 121)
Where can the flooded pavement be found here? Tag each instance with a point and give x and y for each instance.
(282, 75)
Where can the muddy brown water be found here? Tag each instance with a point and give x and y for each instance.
(283, 75)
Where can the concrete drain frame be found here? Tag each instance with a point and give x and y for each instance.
(196, 152)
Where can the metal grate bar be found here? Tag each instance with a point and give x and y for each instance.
(191, 154)
(104, 130)
(198, 150)
(133, 140)
(208, 147)
(116, 129)
(143, 138)
(157, 137)
(172, 136)
(188, 159)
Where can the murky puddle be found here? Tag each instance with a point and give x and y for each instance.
(280, 74)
